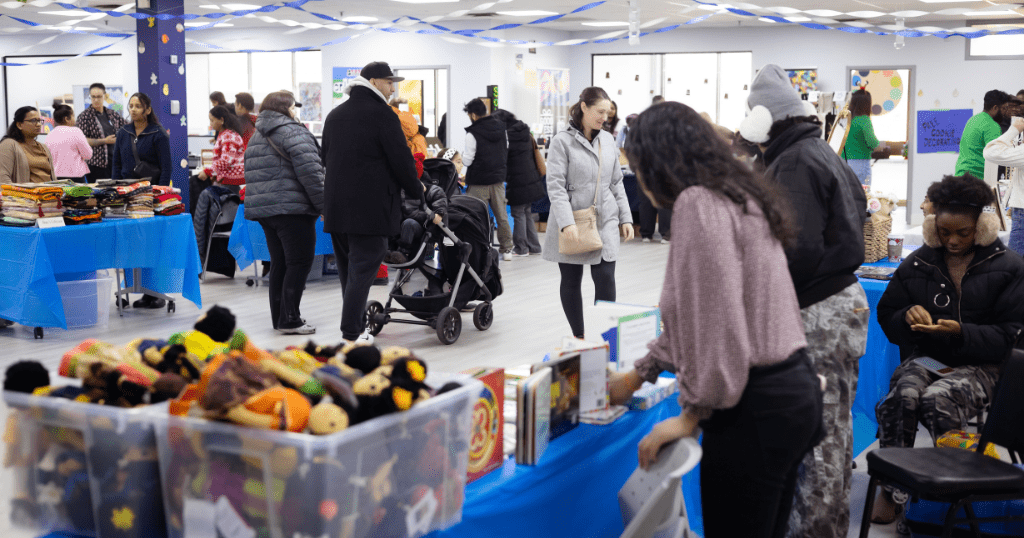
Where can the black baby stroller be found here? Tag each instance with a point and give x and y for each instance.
(468, 271)
(442, 173)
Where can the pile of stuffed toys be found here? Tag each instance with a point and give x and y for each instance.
(387, 486)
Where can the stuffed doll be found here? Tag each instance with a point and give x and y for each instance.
(199, 345)
(218, 323)
(338, 383)
(327, 418)
(364, 358)
(107, 385)
(322, 353)
(298, 359)
(128, 361)
(26, 376)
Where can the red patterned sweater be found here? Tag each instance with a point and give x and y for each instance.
(228, 158)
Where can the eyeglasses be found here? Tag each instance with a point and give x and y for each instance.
(36, 121)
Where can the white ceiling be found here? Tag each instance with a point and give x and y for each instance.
(661, 12)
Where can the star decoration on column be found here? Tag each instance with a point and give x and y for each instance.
(183, 121)
(152, 79)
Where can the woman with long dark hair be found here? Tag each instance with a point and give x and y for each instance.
(583, 171)
(228, 166)
(733, 332)
(146, 138)
(612, 123)
(23, 159)
(861, 140)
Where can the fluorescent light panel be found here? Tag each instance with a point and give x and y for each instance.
(990, 13)
(66, 13)
(239, 7)
(359, 19)
(605, 23)
(527, 13)
(426, 1)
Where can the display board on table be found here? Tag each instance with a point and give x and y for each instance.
(939, 131)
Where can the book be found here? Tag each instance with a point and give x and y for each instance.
(564, 388)
(486, 445)
(601, 417)
(875, 273)
(533, 420)
(651, 394)
(627, 329)
(934, 366)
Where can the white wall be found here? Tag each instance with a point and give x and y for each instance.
(942, 75)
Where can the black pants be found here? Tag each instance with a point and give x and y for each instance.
(291, 240)
(359, 257)
(98, 172)
(412, 234)
(571, 290)
(648, 214)
(752, 451)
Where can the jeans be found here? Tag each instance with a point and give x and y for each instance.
(571, 291)
(291, 240)
(753, 450)
(1017, 231)
(647, 215)
(524, 231)
(861, 167)
(494, 195)
(359, 257)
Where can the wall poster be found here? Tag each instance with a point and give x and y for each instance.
(342, 76)
(804, 80)
(553, 89)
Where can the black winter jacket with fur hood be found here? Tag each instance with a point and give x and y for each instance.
(990, 309)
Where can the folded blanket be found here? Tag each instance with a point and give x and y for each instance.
(32, 192)
(173, 210)
(77, 191)
(16, 222)
(86, 218)
(114, 182)
(164, 189)
(167, 196)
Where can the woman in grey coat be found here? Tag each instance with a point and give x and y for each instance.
(576, 156)
(284, 180)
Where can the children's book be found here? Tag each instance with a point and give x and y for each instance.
(627, 329)
(486, 445)
(533, 422)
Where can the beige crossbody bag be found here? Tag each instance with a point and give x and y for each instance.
(588, 237)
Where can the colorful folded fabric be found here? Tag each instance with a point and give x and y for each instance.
(173, 210)
(160, 198)
(77, 191)
(82, 217)
(164, 189)
(16, 222)
(32, 192)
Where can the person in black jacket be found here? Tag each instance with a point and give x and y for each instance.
(524, 183)
(958, 299)
(367, 162)
(830, 207)
(486, 161)
(415, 216)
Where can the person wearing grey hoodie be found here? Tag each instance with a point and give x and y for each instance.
(284, 180)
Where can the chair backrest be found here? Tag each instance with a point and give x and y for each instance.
(228, 210)
(652, 501)
(1005, 423)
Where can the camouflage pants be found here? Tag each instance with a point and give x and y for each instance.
(837, 332)
(941, 404)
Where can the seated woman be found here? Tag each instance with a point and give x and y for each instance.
(958, 299)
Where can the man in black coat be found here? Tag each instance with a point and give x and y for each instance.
(486, 161)
(367, 162)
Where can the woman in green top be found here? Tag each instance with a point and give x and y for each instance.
(861, 140)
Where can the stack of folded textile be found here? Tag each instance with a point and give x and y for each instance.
(167, 201)
(31, 202)
(112, 203)
(140, 199)
(80, 206)
(16, 223)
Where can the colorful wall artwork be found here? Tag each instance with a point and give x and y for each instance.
(886, 89)
(412, 91)
(114, 99)
(804, 80)
(342, 76)
(309, 96)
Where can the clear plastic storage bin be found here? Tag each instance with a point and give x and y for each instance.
(400, 475)
(86, 302)
(80, 468)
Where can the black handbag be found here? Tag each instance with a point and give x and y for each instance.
(143, 169)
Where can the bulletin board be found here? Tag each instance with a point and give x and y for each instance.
(38, 85)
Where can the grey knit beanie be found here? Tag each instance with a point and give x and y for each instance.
(773, 90)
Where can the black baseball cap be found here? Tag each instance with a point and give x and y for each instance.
(379, 70)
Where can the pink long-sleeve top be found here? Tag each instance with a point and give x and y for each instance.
(70, 150)
(728, 302)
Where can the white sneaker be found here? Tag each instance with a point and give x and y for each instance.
(664, 241)
(365, 338)
(645, 240)
(305, 328)
(506, 256)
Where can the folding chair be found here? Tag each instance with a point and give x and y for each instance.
(956, 476)
(221, 227)
(652, 501)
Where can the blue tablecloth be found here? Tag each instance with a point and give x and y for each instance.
(248, 243)
(573, 491)
(32, 262)
(876, 368)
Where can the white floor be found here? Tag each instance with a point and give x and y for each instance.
(528, 323)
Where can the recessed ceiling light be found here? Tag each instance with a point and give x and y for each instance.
(527, 13)
(84, 28)
(989, 13)
(426, 1)
(762, 19)
(192, 24)
(606, 23)
(222, 24)
(209, 6)
(66, 13)
(359, 19)
(240, 7)
(798, 18)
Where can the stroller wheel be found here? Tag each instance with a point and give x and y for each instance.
(483, 315)
(448, 325)
(374, 317)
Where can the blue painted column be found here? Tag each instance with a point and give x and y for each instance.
(161, 57)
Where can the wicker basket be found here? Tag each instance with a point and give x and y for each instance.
(876, 237)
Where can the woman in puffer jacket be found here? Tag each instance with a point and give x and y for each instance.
(959, 299)
(284, 179)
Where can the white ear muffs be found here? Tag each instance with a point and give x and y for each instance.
(987, 230)
(810, 109)
(930, 232)
(756, 125)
